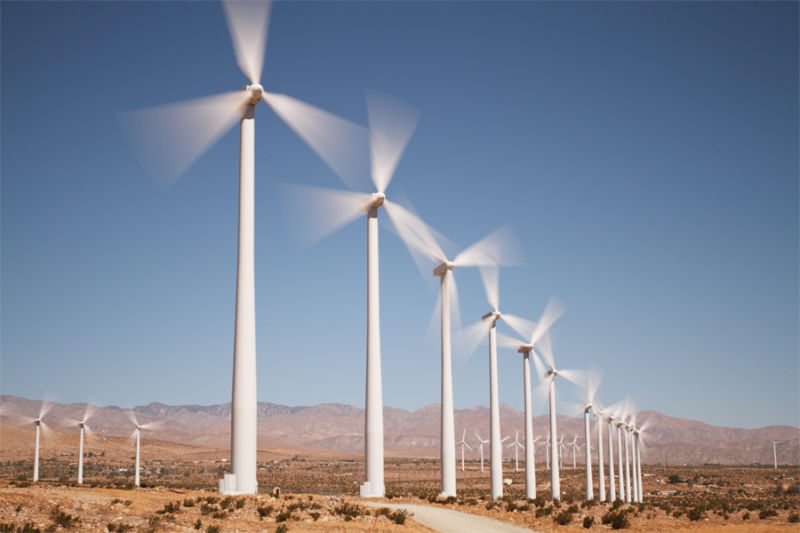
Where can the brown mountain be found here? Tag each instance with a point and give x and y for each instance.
(339, 428)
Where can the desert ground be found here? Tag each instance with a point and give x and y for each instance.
(318, 492)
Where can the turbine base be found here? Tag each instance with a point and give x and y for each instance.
(369, 490)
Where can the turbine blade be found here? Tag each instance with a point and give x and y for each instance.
(416, 235)
(468, 446)
(538, 366)
(88, 412)
(545, 346)
(132, 417)
(466, 341)
(168, 139)
(491, 285)
(520, 326)
(507, 341)
(89, 431)
(554, 309)
(313, 212)
(593, 378)
(248, 22)
(47, 431)
(501, 247)
(44, 408)
(341, 144)
(391, 124)
(455, 309)
(578, 377)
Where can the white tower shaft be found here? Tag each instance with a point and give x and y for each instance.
(136, 469)
(611, 481)
(634, 468)
(373, 443)
(80, 458)
(36, 456)
(588, 454)
(481, 457)
(530, 466)
(627, 467)
(774, 456)
(601, 485)
(555, 483)
(495, 446)
(639, 466)
(619, 465)
(448, 438)
(243, 404)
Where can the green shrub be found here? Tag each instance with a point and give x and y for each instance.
(264, 511)
(169, 508)
(563, 518)
(696, 513)
(674, 478)
(283, 516)
(63, 519)
(588, 522)
(766, 513)
(544, 511)
(618, 519)
(399, 516)
(349, 510)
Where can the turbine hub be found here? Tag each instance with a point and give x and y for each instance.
(377, 199)
(492, 316)
(255, 90)
(525, 348)
(443, 268)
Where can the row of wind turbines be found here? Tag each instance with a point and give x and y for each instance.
(169, 139)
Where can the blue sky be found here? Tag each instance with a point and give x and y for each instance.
(645, 153)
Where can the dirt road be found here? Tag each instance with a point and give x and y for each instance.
(449, 521)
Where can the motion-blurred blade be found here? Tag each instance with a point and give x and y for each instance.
(507, 341)
(491, 285)
(501, 247)
(168, 139)
(545, 346)
(44, 408)
(133, 435)
(132, 417)
(538, 366)
(467, 445)
(554, 309)
(455, 309)
(88, 412)
(153, 426)
(416, 235)
(248, 22)
(578, 377)
(313, 212)
(391, 124)
(89, 431)
(593, 378)
(342, 144)
(466, 341)
(47, 431)
(521, 326)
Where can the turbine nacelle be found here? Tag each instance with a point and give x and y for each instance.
(374, 200)
(492, 317)
(443, 268)
(256, 91)
(587, 407)
(525, 348)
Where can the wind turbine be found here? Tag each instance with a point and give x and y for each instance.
(549, 377)
(601, 485)
(516, 445)
(137, 434)
(473, 334)
(592, 383)
(168, 139)
(463, 443)
(775, 453)
(561, 452)
(480, 445)
(84, 430)
(551, 313)
(41, 427)
(611, 481)
(497, 248)
(391, 124)
(574, 445)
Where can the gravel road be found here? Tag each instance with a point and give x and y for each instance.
(449, 521)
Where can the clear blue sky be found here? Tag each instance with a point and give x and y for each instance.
(646, 153)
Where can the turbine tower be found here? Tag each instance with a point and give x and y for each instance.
(535, 331)
(137, 434)
(775, 453)
(84, 430)
(592, 383)
(601, 485)
(497, 248)
(611, 481)
(168, 139)
(481, 442)
(516, 445)
(463, 443)
(41, 427)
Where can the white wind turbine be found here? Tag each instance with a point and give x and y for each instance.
(551, 313)
(636, 437)
(168, 139)
(137, 434)
(601, 485)
(775, 453)
(548, 376)
(612, 486)
(481, 442)
(391, 124)
(517, 445)
(497, 248)
(41, 427)
(592, 383)
(473, 336)
(85, 431)
(574, 445)
(561, 452)
(463, 443)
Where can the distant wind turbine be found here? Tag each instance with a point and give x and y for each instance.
(41, 427)
(463, 443)
(516, 445)
(137, 434)
(592, 383)
(775, 453)
(481, 442)
(85, 430)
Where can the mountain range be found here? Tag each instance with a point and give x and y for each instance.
(339, 428)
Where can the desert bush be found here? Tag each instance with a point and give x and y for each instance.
(264, 511)
(618, 519)
(226, 502)
(220, 515)
(794, 518)
(399, 516)
(188, 503)
(746, 516)
(540, 500)
(349, 510)
(240, 503)
(491, 504)
(696, 513)
(283, 516)
(282, 528)
(563, 518)
(7, 528)
(169, 508)
(572, 508)
(588, 522)
(544, 511)
(677, 513)
(524, 507)
(589, 503)
(766, 513)
(212, 529)
(511, 507)
(198, 524)
(207, 509)
(315, 515)
(63, 519)
(616, 504)
(675, 478)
